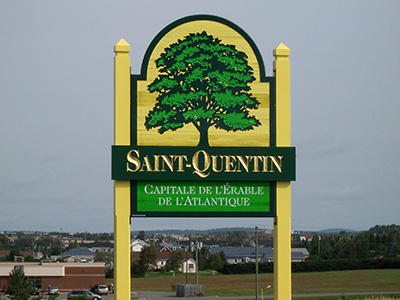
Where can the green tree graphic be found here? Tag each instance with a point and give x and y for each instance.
(204, 82)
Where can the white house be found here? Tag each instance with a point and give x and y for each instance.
(188, 266)
(137, 245)
(235, 255)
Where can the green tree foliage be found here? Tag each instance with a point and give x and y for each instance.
(216, 261)
(4, 244)
(377, 242)
(141, 235)
(384, 229)
(205, 83)
(19, 287)
(13, 253)
(49, 245)
(237, 239)
(102, 256)
(29, 258)
(148, 257)
(394, 247)
(72, 245)
(202, 263)
(25, 243)
(103, 237)
(175, 260)
(137, 270)
(57, 247)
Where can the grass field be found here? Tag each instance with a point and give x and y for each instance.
(302, 283)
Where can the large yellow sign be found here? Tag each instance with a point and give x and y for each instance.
(241, 108)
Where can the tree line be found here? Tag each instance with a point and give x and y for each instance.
(381, 241)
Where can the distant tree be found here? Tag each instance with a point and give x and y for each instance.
(148, 257)
(44, 244)
(215, 261)
(202, 263)
(57, 247)
(394, 243)
(237, 238)
(364, 244)
(29, 258)
(141, 235)
(103, 237)
(25, 243)
(137, 269)
(13, 253)
(49, 245)
(4, 244)
(205, 83)
(175, 260)
(384, 229)
(102, 256)
(345, 247)
(72, 245)
(19, 287)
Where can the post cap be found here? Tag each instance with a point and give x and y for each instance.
(281, 50)
(122, 46)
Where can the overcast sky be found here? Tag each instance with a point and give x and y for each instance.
(56, 107)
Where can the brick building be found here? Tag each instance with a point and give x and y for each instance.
(65, 276)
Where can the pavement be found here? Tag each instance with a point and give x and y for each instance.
(168, 295)
(149, 295)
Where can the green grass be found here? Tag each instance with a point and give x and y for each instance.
(378, 297)
(302, 283)
(178, 274)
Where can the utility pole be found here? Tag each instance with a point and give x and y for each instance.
(319, 246)
(256, 263)
(186, 250)
(197, 261)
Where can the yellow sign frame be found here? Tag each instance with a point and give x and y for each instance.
(122, 135)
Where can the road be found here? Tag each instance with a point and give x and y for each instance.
(148, 295)
(168, 295)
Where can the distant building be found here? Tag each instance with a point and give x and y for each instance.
(188, 266)
(163, 257)
(306, 237)
(77, 255)
(235, 255)
(99, 246)
(35, 255)
(65, 276)
(137, 245)
(67, 241)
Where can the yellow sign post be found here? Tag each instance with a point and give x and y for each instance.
(282, 231)
(122, 188)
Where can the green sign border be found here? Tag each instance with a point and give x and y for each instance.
(272, 126)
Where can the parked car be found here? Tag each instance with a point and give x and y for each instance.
(100, 289)
(35, 291)
(88, 294)
(53, 290)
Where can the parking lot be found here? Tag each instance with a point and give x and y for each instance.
(62, 296)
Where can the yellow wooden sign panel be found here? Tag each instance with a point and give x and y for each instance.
(188, 135)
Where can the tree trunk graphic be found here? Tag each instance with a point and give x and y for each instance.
(203, 137)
